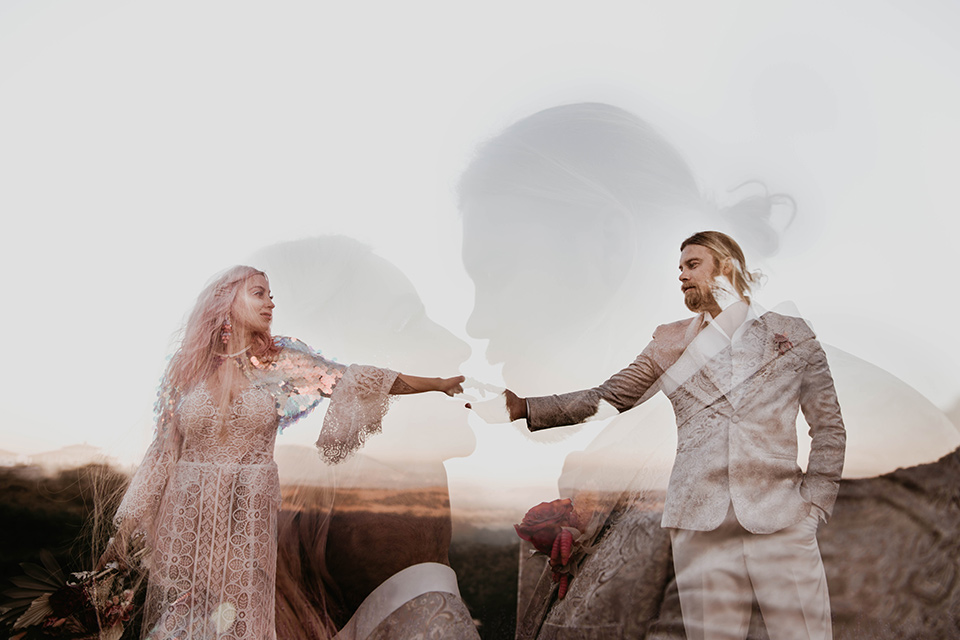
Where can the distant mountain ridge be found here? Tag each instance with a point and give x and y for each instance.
(68, 457)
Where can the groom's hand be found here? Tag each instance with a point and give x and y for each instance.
(516, 406)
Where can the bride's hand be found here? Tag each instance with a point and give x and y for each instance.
(451, 386)
(115, 552)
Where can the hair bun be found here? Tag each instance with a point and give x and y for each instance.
(755, 219)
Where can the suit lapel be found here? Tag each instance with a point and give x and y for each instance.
(759, 340)
(692, 370)
(705, 368)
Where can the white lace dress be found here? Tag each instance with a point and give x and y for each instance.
(207, 502)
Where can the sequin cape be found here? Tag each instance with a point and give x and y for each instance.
(299, 379)
(207, 504)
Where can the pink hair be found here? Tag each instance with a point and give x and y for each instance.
(202, 350)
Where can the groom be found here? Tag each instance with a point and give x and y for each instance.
(742, 515)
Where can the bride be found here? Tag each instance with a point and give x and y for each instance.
(206, 496)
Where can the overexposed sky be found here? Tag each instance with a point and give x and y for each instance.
(146, 146)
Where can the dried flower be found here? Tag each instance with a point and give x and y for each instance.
(783, 343)
(68, 599)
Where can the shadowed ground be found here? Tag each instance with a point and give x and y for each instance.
(891, 553)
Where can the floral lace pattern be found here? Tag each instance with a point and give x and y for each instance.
(356, 410)
(142, 499)
(207, 500)
(213, 561)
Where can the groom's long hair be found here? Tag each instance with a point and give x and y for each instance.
(724, 248)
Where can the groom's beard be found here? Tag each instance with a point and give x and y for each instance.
(699, 298)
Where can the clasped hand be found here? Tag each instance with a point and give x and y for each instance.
(495, 404)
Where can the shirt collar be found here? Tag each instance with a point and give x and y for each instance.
(754, 311)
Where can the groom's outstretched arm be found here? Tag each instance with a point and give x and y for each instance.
(622, 391)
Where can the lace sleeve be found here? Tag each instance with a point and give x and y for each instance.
(301, 378)
(357, 407)
(142, 499)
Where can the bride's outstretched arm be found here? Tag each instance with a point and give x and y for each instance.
(359, 402)
(405, 384)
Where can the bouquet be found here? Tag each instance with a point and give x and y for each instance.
(50, 604)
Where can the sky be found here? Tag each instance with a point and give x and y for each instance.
(146, 146)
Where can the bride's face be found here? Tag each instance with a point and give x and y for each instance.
(252, 310)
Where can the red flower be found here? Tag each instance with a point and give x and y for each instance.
(543, 523)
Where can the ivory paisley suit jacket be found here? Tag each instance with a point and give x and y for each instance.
(736, 410)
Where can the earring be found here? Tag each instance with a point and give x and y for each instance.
(226, 331)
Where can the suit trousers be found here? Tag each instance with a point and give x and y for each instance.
(719, 572)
